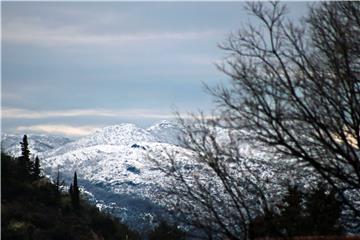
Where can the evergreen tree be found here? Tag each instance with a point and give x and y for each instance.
(59, 183)
(71, 191)
(313, 213)
(264, 226)
(165, 231)
(25, 165)
(323, 212)
(291, 215)
(75, 193)
(25, 152)
(36, 172)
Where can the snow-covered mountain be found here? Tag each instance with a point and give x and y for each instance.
(114, 168)
(167, 132)
(38, 143)
(112, 165)
(116, 173)
(116, 135)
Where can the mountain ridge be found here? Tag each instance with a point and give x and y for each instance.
(112, 166)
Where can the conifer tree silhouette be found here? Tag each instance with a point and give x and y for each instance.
(36, 171)
(75, 193)
(25, 165)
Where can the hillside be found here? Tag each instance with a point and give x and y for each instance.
(34, 209)
(112, 167)
(115, 172)
(117, 175)
(38, 143)
(38, 209)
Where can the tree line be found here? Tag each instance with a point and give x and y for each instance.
(30, 170)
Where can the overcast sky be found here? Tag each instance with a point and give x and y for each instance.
(69, 68)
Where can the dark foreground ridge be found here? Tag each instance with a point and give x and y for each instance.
(36, 209)
(32, 207)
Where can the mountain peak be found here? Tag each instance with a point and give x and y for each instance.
(119, 126)
(120, 134)
(166, 131)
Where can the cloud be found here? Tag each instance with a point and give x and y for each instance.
(15, 32)
(18, 113)
(58, 129)
(81, 130)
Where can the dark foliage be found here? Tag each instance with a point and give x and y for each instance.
(165, 231)
(313, 213)
(25, 152)
(35, 209)
(24, 162)
(36, 171)
(59, 183)
(291, 213)
(323, 210)
(75, 193)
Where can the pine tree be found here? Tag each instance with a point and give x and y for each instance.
(25, 165)
(36, 171)
(75, 193)
(312, 213)
(266, 225)
(323, 212)
(58, 184)
(25, 152)
(71, 191)
(291, 215)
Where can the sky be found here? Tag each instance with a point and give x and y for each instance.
(69, 68)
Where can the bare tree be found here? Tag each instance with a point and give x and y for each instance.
(295, 96)
(215, 187)
(298, 88)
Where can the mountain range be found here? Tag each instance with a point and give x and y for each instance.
(116, 173)
(112, 165)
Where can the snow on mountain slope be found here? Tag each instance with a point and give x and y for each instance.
(113, 167)
(167, 132)
(119, 166)
(38, 143)
(122, 134)
(115, 155)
